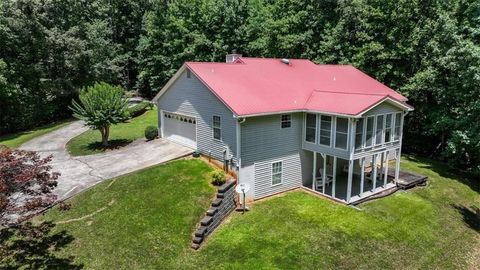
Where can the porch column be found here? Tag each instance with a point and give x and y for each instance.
(324, 173)
(397, 165)
(350, 176)
(314, 173)
(374, 178)
(386, 170)
(362, 175)
(334, 180)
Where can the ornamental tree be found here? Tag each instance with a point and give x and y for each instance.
(26, 184)
(101, 106)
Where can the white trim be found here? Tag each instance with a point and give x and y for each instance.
(271, 173)
(386, 99)
(162, 123)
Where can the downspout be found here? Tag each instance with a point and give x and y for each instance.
(238, 152)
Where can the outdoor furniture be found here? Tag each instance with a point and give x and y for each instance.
(319, 180)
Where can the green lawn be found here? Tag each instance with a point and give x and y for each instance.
(122, 134)
(16, 139)
(148, 218)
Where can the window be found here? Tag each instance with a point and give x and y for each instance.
(189, 73)
(325, 129)
(369, 132)
(388, 128)
(310, 127)
(341, 136)
(276, 173)
(286, 120)
(359, 134)
(398, 124)
(217, 127)
(379, 130)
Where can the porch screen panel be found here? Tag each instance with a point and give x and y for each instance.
(379, 130)
(369, 132)
(388, 128)
(325, 130)
(311, 127)
(359, 134)
(341, 136)
(396, 133)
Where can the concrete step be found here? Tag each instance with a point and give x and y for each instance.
(195, 246)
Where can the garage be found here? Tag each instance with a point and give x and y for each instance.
(180, 128)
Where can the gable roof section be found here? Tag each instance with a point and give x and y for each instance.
(256, 86)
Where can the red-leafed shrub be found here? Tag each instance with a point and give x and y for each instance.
(26, 184)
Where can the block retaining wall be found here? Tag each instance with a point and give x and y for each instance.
(221, 207)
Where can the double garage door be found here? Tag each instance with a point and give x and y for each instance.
(180, 128)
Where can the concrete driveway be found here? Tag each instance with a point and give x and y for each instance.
(80, 173)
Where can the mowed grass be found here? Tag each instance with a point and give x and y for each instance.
(429, 228)
(150, 216)
(147, 217)
(90, 142)
(15, 140)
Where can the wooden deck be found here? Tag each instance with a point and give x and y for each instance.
(408, 180)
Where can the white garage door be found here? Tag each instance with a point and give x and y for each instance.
(180, 128)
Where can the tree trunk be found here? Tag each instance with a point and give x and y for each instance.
(105, 133)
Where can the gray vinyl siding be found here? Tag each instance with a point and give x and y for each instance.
(263, 141)
(191, 97)
(383, 108)
(291, 175)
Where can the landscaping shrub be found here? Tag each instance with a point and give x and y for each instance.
(139, 109)
(218, 177)
(151, 132)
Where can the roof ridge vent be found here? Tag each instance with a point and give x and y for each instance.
(285, 61)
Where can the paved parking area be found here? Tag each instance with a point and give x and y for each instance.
(80, 173)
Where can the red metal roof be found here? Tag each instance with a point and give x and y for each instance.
(264, 85)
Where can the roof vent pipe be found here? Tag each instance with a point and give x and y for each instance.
(285, 61)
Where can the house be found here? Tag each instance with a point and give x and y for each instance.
(288, 123)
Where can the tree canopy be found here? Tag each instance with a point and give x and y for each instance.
(101, 106)
(427, 50)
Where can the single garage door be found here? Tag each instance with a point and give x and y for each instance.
(180, 128)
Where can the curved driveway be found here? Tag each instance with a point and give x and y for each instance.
(80, 173)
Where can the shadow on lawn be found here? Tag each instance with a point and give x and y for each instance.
(471, 217)
(113, 144)
(444, 170)
(29, 246)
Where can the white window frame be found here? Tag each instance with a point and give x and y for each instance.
(392, 122)
(281, 173)
(220, 127)
(382, 141)
(289, 121)
(332, 119)
(373, 131)
(362, 142)
(306, 127)
(336, 131)
(395, 126)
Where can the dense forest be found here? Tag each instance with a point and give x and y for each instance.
(427, 50)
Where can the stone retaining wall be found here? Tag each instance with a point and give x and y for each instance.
(221, 207)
